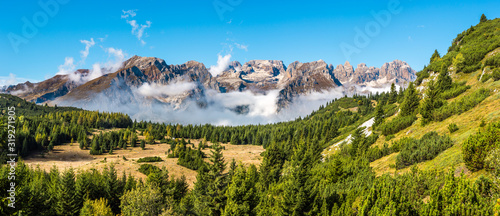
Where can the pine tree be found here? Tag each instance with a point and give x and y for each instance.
(143, 144)
(82, 185)
(130, 184)
(444, 81)
(211, 184)
(53, 190)
(357, 140)
(242, 196)
(95, 149)
(111, 185)
(379, 114)
(393, 95)
(68, 204)
(435, 56)
(51, 145)
(430, 102)
(483, 19)
(401, 95)
(411, 101)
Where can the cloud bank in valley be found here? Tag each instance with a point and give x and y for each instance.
(158, 90)
(219, 108)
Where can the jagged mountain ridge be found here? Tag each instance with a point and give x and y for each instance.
(257, 76)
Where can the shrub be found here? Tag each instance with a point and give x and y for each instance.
(149, 159)
(427, 148)
(477, 146)
(375, 153)
(146, 169)
(389, 137)
(485, 77)
(397, 124)
(463, 105)
(452, 127)
(457, 90)
(191, 159)
(496, 74)
(493, 61)
(482, 124)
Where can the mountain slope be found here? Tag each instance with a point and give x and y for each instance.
(471, 61)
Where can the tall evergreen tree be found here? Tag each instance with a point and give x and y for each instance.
(95, 149)
(435, 56)
(430, 102)
(444, 81)
(393, 95)
(411, 101)
(379, 114)
(483, 19)
(68, 205)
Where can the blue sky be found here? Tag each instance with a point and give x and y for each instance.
(180, 31)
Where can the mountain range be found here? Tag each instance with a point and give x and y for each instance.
(149, 80)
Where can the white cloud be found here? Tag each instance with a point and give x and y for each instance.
(88, 45)
(68, 66)
(241, 46)
(137, 29)
(102, 39)
(259, 104)
(12, 79)
(128, 13)
(115, 60)
(222, 64)
(171, 89)
(118, 56)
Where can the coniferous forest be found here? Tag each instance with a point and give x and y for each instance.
(295, 176)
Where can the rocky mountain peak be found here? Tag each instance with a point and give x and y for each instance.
(144, 63)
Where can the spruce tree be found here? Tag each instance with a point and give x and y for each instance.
(68, 204)
(111, 185)
(82, 146)
(379, 114)
(444, 81)
(82, 185)
(435, 56)
(428, 103)
(211, 184)
(95, 149)
(143, 144)
(483, 19)
(393, 95)
(242, 196)
(411, 101)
